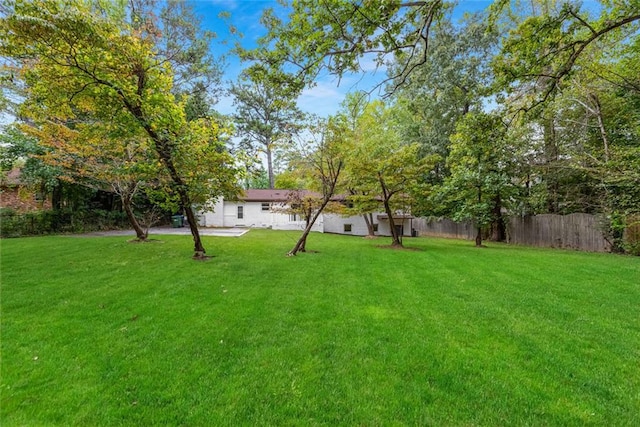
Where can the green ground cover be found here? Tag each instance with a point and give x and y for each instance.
(98, 331)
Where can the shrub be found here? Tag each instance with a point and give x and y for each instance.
(59, 221)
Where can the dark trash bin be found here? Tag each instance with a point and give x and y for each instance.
(176, 221)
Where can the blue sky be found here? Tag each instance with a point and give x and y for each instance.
(322, 99)
(325, 97)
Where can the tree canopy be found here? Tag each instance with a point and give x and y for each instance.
(87, 66)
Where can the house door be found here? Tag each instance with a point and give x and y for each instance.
(400, 229)
(240, 217)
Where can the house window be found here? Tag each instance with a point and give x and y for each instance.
(293, 217)
(240, 212)
(347, 228)
(375, 227)
(266, 207)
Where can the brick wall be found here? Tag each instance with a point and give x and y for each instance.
(21, 199)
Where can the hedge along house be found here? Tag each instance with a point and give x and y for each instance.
(268, 209)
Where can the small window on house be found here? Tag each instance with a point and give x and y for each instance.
(240, 212)
(347, 228)
(375, 227)
(266, 206)
(293, 217)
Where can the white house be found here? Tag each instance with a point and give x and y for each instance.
(266, 209)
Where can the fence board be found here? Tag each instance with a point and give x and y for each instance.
(575, 231)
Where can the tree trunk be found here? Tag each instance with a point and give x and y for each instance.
(272, 180)
(601, 127)
(140, 233)
(56, 196)
(185, 200)
(498, 229)
(303, 244)
(395, 239)
(302, 241)
(368, 219)
(551, 163)
(193, 227)
(479, 228)
(164, 150)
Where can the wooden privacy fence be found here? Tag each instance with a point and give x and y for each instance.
(575, 231)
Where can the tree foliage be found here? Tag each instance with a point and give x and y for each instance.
(541, 54)
(382, 169)
(338, 37)
(266, 117)
(92, 64)
(320, 163)
(480, 179)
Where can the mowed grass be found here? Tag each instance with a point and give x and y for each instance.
(99, 331)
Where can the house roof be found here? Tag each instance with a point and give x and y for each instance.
(255, 195)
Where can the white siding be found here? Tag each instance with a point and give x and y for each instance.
(335, 224)
(384, 230)
(213, 218)
(225, 214)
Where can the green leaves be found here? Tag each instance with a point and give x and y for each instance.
(98, 85)
(478, 163)
(543, 51)
(336, 35)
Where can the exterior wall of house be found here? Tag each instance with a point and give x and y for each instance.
(21, 199)
(225, 214)
(265, 209)
(336, 224)
(214, 218)
(385, 230)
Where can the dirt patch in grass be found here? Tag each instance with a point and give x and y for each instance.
(202, 257)
(399, 248)
(145, 241)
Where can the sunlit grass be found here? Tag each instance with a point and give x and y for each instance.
(99, 331)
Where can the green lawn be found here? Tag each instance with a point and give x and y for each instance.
(99, 331)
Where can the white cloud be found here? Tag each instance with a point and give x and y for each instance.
(323, 99)
(225, 105)
(368, 64)
(227, 4)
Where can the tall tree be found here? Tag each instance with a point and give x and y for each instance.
(381, 166)
(454, 79)
(322, 162)
(267, 115)
(479, 180)
(90, 156)
(86, 58)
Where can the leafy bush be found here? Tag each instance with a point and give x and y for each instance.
(59, 221)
